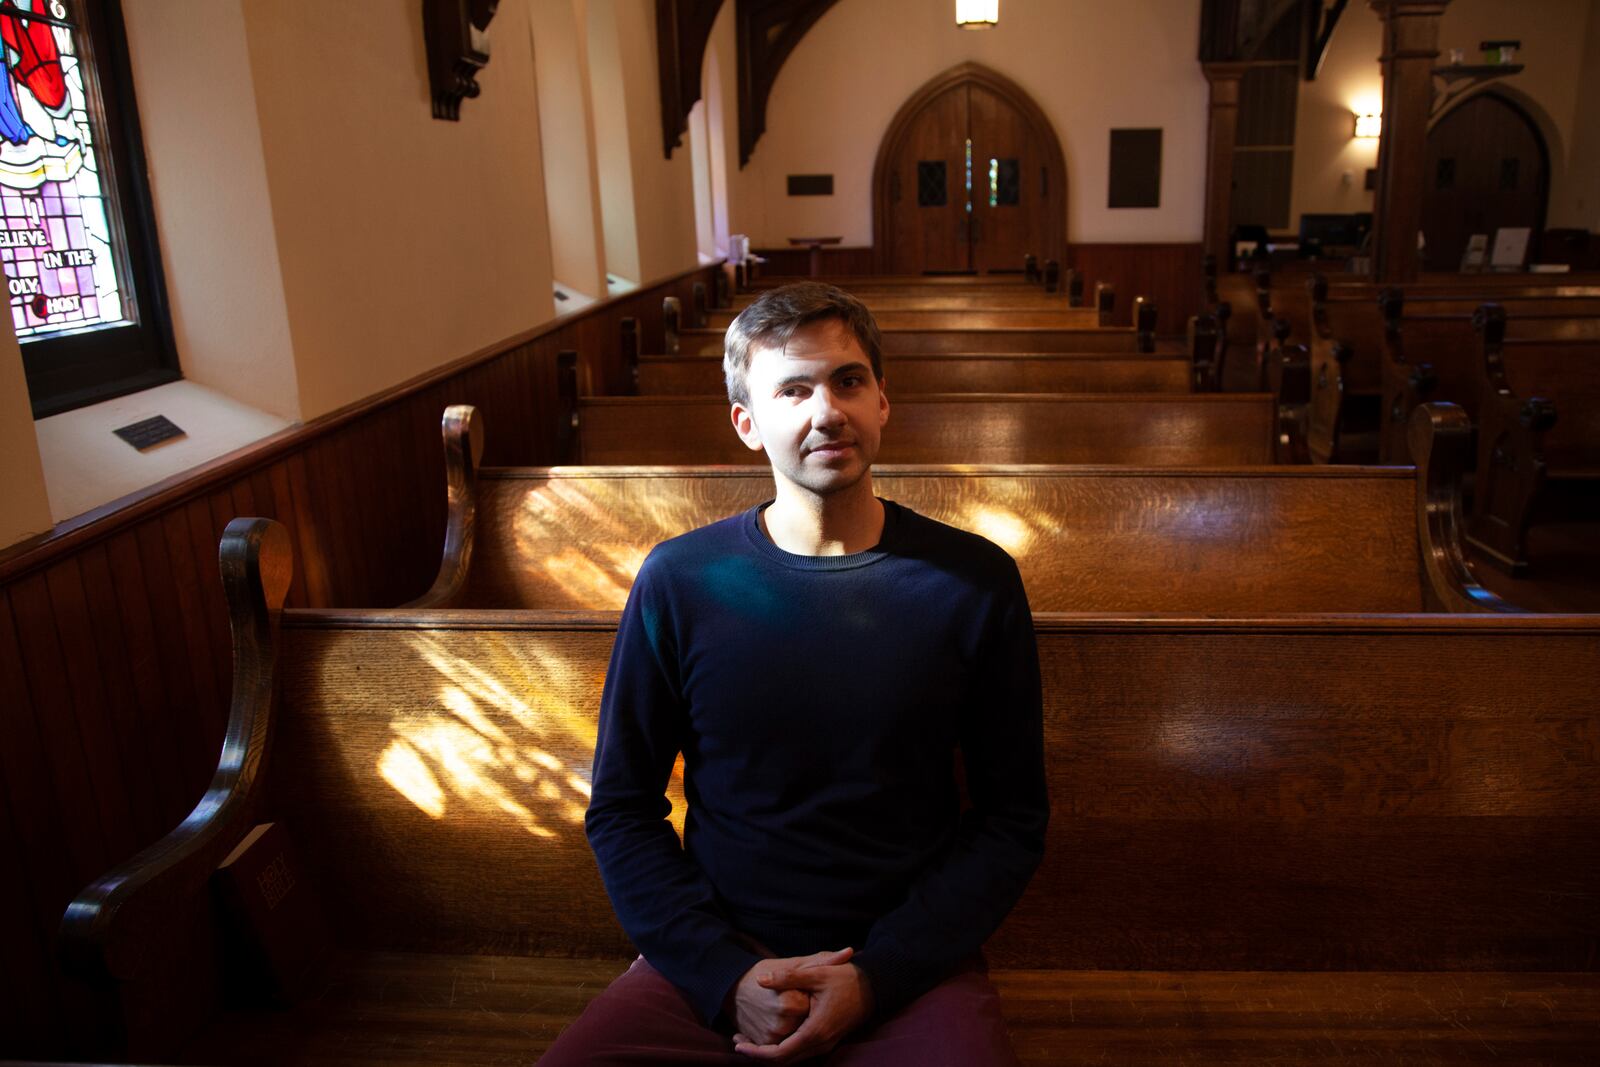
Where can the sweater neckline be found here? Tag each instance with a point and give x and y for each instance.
(849, 561)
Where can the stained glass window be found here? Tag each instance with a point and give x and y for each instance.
(56, 242)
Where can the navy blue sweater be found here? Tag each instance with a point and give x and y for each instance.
(819, 702)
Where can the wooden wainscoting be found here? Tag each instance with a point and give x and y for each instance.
(1169, 274)
(838, 261)
(114, 647)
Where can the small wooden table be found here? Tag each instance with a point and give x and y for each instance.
(815, 244)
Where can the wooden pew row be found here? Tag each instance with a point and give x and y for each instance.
(1366, 836)
(1285, 302)
(1151, 430)
(1539, 431)
(946, 300)
(1433, 348)
(1213, 541)
(924, 342)
(1347, 346)
(980, 317)
(1071, 372)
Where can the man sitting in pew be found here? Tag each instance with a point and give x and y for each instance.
(818, 660)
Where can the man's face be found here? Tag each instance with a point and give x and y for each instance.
(815, 407)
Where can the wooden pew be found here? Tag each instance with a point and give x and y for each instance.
(1103, 429)
(1432, 349)
(1072, 372)
(1539, 435)
(1234, 541)
(1001, 340)
(1279, 839)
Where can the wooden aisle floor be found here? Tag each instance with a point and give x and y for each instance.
(427, 1010)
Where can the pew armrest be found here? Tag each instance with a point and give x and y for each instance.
(1441, 444)
(130, 923)
(463, 453)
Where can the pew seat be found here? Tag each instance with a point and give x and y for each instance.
(385, 1008)
(1255, 824)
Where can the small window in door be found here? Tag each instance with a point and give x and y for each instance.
(1004, 182)
(931, 190)
(1508, 174)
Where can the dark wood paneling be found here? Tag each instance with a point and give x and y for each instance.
(837, 261)
(115, 666)
(1168, 274)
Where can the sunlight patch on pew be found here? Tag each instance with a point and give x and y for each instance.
(1004, 527)
(472, 756)
(605, 528)
(403, 767)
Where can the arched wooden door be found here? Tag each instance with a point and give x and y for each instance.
(969, 177)
(1487, 169)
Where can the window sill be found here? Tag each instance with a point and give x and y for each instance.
(86, 465)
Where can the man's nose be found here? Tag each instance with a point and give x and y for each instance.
(825, 410)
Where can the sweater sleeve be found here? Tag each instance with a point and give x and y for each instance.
(953, 908)
(663, 900)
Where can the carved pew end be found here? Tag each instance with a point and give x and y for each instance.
(1052, 276)
(464, 438)
(1030, 268)
(1105, 302)
(1440, 439)
(141, 935)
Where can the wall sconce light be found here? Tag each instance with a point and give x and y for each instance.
(977, 14)
(1369, 125)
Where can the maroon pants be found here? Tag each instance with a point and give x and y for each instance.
(641, 1018)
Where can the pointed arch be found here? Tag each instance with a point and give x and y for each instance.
(1053, 236)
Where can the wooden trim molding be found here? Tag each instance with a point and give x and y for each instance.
(682, 29)
(767, 32)
(456, 33)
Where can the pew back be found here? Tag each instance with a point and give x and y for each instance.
(1161, 431)
(925, 342)
(1365, 793)
(1223, 542)
(1076, 372)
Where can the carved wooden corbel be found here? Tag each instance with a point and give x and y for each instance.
(682, 29)
(457, 37)
(768, 31)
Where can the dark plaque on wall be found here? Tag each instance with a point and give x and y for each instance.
(810, 185)
(147, 433)
(1135, 168)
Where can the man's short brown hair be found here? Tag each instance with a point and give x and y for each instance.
(778, 313)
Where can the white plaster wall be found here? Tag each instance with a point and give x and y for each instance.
(24, 503)
(1325, 150)
(405, 241)
(197, 107)
(566, 115)
(1090, 65)
(663, 189)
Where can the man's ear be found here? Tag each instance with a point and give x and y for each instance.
(745, 426)
(883, 402)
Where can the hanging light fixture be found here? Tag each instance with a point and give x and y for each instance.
(977, 14)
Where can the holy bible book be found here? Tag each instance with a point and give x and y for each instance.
(276, 930)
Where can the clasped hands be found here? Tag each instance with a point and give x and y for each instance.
(799, 1006)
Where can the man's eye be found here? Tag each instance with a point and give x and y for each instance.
(852, 380)
(792, 392)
